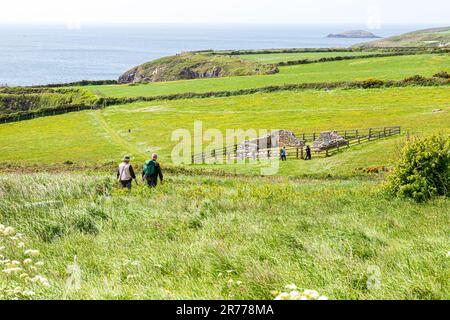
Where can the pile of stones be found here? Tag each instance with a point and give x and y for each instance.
(257, 148)
(327, 140)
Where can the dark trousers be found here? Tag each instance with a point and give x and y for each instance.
(308, 156)
(152, 181)
(283, 158)
(126, 184)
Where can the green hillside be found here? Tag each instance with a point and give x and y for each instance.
(224, 231)
(283, 57)
(16, 102)
(208, 237)
(394, 68)
(101, 136)
(193, 66)
(436, 37)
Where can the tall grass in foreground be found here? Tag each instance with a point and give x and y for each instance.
(228, 238)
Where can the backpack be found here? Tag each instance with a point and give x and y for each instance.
(150, 168)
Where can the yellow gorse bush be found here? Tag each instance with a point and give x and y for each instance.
(19, 272)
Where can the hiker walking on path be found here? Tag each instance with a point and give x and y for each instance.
(308, 153)
(125, 173)
(283, 154)
(151, 171)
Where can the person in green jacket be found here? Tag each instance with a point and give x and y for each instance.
(151, 172)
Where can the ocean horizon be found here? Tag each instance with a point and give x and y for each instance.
(36, 55)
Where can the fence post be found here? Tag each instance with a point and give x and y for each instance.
(193, 156)
(370, 133)
(301, 154)
(314, 136)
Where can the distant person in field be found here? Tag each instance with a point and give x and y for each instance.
(308, 153)
(125, 173)
(283, 154)
(151, 172)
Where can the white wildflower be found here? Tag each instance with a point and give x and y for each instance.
(41, 280)
(32, 253)
(28, 293)
(9, 271)
(299, 295)
(313, 294)
(27, 261)
(291, 286)
(9, 231)
(282, 296)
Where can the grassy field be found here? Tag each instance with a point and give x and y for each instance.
(97, 137)
(224, 231)
(228, 238)
(387, 68)
(283, 57)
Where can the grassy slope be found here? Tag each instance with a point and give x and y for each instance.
(174, 66)
(188, 238)
(24, 100)
(379, 68)
(421, 38)
(102, 136)
(282, 57)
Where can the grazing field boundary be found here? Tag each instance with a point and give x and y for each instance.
(340, 58)
(416, 50)
(352, 137)
(363, 84)
(103, 102)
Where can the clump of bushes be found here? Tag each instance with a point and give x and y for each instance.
(423, 169)
(442, 74)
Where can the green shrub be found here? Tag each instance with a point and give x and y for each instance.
(423, 169)
(442, 74)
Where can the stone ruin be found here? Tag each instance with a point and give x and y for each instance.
(257, 148)
(327, 140)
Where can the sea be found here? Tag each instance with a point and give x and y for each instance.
(44, 54)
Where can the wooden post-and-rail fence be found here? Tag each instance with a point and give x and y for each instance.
(352, 137)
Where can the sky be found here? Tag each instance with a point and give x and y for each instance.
(372, 13)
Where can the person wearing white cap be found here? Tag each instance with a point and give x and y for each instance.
(125, 173)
